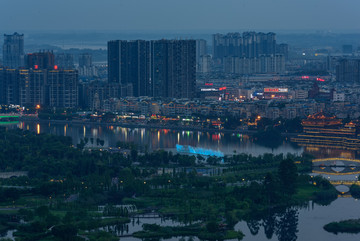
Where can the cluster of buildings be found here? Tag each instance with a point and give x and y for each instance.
(249, 53)
(161, 68)
(286, 108)
(165, 77)
(35, 79)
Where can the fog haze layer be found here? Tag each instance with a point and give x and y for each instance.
(175, 15)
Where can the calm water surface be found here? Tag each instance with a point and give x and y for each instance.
(160, 138)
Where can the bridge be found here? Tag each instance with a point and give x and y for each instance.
(5, 175)
(344, 182)
(336, 172)
(327, 160)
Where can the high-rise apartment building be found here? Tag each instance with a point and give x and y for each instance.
(283, 49)
(13, 50)
(64, 61)
(348, 70)
(248, 45)
(85, 60)
(40, 60)
(86, 67)
(63, 88)
(2, 87)
(161, 68)
(129, 65)
(31, 87)
(10, 86)
(201, 50)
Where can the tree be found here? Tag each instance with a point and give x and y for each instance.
(42, 211)
(65, 232)
(212, 227)
(287, 174)
(270, 187)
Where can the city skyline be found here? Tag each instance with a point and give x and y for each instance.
(161, 15)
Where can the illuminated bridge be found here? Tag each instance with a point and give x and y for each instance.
(336, 162)
(338, 167)
(344, 182)
(343, 186)
(336, 170)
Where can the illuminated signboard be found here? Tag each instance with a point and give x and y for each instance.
(210, 89)
(209, 84)
(319, 79)
(282, 90)
(222, 88)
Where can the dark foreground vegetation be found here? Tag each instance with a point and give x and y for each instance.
(61, 195)
(347, 226)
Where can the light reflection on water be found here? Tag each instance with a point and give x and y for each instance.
(155, 139)
(304, 224)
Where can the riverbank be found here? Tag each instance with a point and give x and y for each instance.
(149, 126)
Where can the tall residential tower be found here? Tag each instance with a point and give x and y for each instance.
(161, 68)
(13, 50)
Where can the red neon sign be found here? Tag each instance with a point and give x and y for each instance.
(55, 67)
(36, 66)
(222, 88)
(209, 84)
(271, 90)
(319, 79)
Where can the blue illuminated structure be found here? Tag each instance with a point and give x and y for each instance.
(198, 150)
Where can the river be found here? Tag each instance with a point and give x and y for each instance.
(156, 139)
(291, 224)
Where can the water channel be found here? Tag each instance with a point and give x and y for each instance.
(296, 223)
(155, 139)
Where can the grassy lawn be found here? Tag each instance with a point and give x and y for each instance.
(305, 192)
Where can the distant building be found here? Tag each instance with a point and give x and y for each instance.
(63, 88)
(95, 93)
(86, 68)
(338, 97)
(13, 50)
(201, 50)
(10, 85)
(348, 70)
(2, 87)
(262, 65)
(32, 87)
(204, 64)
(161, 68)
(64, 61)
(45, 87)
(246, 45)
(85, 60)
(40, 60)
(283, 49)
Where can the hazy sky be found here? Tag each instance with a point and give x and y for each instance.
(179, 15)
